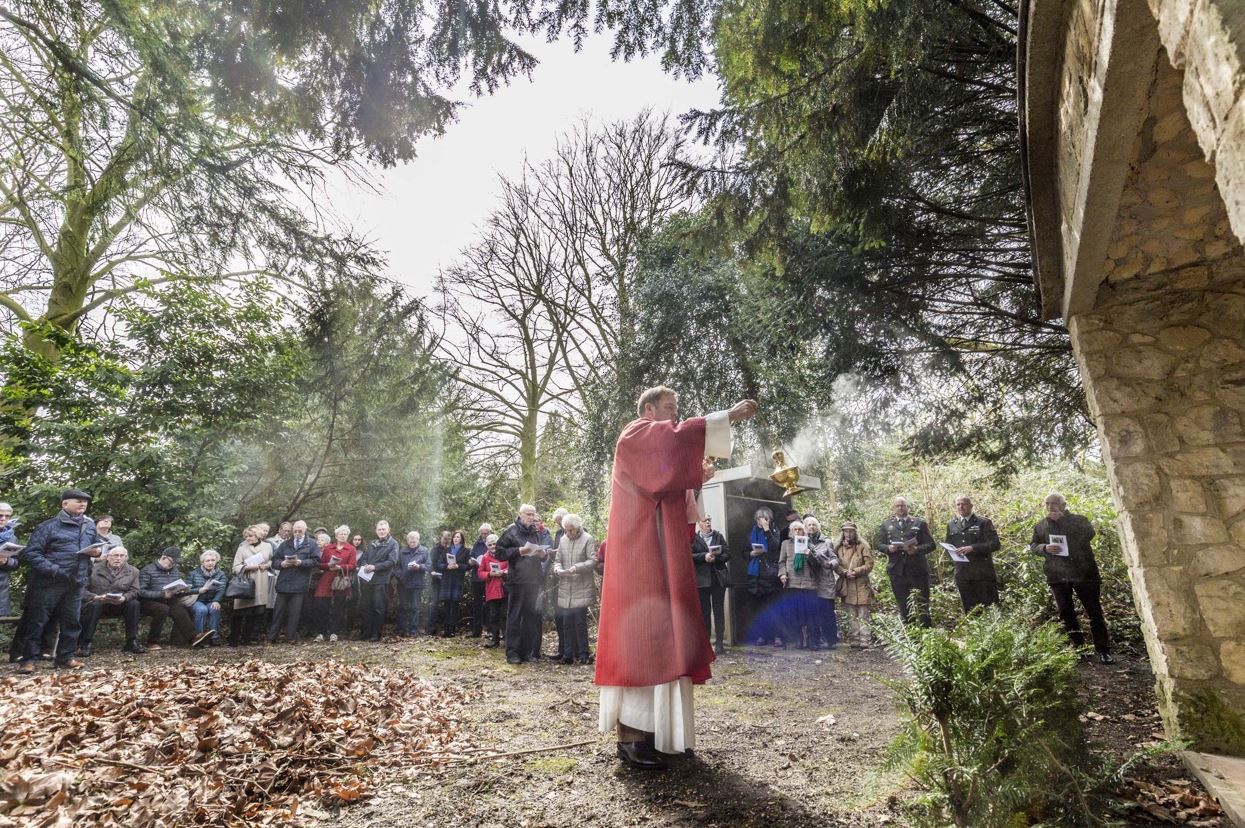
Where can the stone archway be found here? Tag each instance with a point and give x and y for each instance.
(1134, 130)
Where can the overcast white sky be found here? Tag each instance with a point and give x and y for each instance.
(427, 210)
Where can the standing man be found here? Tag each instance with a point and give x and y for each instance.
(477, 582)
(709, 557)
(112, 592)
(1062, 539)
(652, 646)
(906, 542)
(379, 560)
(974, 537)
(58, 571)
(521, 547)
(294, 561)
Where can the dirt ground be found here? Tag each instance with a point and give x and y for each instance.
(785, 738)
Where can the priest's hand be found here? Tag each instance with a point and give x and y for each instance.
(742, 410)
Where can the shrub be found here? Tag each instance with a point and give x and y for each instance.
(991, 730)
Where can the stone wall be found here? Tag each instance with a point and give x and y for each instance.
(1162, 355)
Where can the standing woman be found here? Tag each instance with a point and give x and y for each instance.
(575, 565)
(248, 612)
(437, 553)
(855, 564)
(453, 565)
(338, 561)
(763, 583)
(823, 561)
(800, 587)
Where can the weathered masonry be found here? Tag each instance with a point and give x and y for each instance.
(1134, 127)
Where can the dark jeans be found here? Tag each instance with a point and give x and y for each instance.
(328, 612)
(495, 617)
(827, 623)
(904, 585)
(288, 611)
(975, 594)
(92, 611)
(243, 623)
(1090, 594)
(373, 602)
(477, 607)
(183, 626)
(411, 602)
(712, 607)
(574, 632)
(434, 606)
(523, 621)
(61, 602)
(449, 615)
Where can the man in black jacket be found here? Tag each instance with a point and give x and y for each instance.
(1063, 540)
(380, 561)
(58, 571)
(974, 538)
(294, 560)
(524, 583)
(477, 583)
(906, 542)
(709, 555)
(161, 601)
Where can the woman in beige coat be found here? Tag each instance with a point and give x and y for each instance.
(855, 564)
(247, 617)
(574, 565)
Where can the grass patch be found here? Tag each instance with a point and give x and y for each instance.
(547, 765)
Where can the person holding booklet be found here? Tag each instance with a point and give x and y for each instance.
(520, 547)
(799, 599)
(293, 561)
(904, 539)
(414, 564)
(338, 561)
(452, 564)
(251, 561)
(112, 592)
(9, 549)
(764, 587)
(709, 558)
(574, 565)
(1063, 540)
(59, 555)
(822, 559)
(160, 590)
(971, 544)
(493, 571)
(377, 564)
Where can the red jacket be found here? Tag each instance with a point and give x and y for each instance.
(494, 588)
(347, 558)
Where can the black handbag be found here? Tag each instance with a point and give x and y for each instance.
(240, 587)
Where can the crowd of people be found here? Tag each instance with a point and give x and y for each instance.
(333, 585)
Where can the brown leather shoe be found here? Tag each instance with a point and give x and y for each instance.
(641, 756)
(26, 668)
(71, 664)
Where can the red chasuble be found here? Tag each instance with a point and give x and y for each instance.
(651, 630)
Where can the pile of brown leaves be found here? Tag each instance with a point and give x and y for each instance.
(1175, 802)
(250, 743)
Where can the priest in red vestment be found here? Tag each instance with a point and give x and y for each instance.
(651, 643)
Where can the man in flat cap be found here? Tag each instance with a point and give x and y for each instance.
(59, 555)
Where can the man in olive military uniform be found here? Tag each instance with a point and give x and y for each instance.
(974, 537)
(906, 542)
(1062, 539)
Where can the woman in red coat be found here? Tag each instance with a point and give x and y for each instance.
(338, 561)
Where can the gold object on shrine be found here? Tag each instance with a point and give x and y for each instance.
(784, 475)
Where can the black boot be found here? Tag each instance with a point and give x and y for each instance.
(641, 756)
(132, 646)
